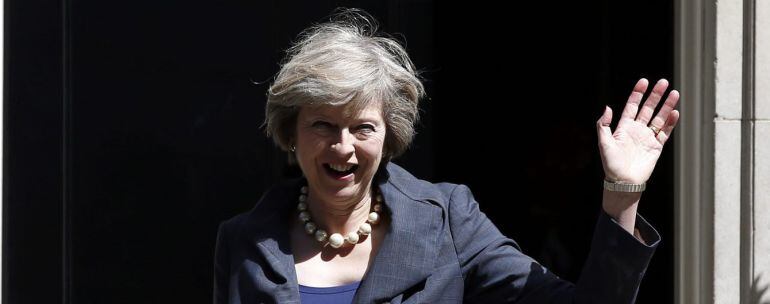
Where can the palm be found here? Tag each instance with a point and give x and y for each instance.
(629, 154)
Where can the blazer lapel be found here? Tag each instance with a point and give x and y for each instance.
(407, 253)
(405, 258)
(274, 244)
(280, 258)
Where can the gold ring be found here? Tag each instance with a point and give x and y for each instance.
(655, 130)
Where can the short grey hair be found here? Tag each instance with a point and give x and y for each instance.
(346, 61)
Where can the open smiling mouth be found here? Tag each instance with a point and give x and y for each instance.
(339, 171)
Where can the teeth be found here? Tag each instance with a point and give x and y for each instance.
(340, 168)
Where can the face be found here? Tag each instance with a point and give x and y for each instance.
(339, 150)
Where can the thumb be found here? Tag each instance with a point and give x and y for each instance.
(603, 126)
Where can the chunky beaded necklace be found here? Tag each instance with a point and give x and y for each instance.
(336, 240)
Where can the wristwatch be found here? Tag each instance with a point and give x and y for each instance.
(624, 187)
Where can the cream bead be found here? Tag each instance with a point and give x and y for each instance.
(352, 238)
(320, 235)
(336, 240)
(310, 227)
(373, 217)
(365, 229)
(304, 216)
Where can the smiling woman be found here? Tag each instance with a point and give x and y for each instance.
(339, 149)
(365, 230)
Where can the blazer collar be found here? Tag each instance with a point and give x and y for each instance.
(408, 251)
(406, 255)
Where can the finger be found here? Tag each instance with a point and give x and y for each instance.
(660, 120)
(632, 105)
(645, 114)
(603, 126)
(664, 134)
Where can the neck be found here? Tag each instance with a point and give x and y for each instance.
(339, 217)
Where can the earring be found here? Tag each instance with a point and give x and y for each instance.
(293, 148)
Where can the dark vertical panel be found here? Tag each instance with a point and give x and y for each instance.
(32, 181)
(165, 142)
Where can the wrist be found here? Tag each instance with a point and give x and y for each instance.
(621, 186)
(622, 207)
(614, 200)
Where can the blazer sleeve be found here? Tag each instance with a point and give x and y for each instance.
(496, 271)
(221, 267)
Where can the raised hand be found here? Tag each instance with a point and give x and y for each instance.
(629, 154)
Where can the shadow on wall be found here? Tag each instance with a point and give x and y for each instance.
(757, 292)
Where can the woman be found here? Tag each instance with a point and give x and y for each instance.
(359, 228)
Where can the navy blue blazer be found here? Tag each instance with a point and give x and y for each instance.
(439, 248)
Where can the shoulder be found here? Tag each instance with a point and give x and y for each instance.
(470, 229)
(421, 190)
(269, 209)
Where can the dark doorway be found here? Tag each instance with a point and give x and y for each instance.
(131, 130)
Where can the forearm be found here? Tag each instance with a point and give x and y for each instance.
(621, 206)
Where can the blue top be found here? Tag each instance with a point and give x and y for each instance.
(328, 295)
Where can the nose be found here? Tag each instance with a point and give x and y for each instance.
(344, 143)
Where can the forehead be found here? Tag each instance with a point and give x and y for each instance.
(369, 111)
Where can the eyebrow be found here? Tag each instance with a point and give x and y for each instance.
(372, 119)
(314, 116)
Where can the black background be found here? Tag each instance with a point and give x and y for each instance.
(131, 129)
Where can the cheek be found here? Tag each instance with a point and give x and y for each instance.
(308, 148)
(373, 149)
(310, 141)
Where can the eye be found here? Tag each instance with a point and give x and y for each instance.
(367, 128)
(322, 124)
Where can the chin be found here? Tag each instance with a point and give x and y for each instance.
(345, 192)
(341, 193)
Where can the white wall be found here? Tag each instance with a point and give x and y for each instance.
(723, 151)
